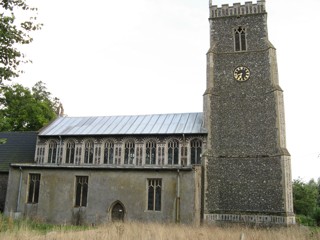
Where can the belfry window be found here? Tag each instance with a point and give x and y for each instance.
(196, 149)
(129, 152)
(88, 153)
(240, 40)
(154, 194)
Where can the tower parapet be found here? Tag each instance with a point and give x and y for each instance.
(237, 9)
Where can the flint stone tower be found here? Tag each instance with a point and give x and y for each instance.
(248, 168)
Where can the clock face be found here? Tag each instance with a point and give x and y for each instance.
(241, 73)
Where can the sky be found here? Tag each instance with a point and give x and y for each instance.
(129, 57)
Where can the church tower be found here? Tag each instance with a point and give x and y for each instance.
(247, 165)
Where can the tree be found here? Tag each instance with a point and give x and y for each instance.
(13, 33)
(305, 197)
(24, 110)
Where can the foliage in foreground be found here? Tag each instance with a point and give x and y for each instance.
(22, 109)
(306, 202)
(13, 33)
(27, 229)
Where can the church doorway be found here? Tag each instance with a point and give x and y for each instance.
(117, 212)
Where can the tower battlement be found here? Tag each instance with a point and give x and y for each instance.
(237, 9)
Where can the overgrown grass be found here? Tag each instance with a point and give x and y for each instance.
(27, 230)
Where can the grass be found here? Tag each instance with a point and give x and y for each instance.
(27, 229)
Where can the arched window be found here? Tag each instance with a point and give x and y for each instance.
(240, 39)
(129, 152)
(88, 152)
(173, 152)
(151, 152)
(70, 152)
(52, 154)
(108, 152)
(196, 149)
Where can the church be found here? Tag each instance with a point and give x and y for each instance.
(227, 164)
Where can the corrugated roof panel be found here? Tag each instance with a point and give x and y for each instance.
(139, 124)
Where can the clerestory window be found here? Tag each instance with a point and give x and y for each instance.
(151, 152)
(240, 39)
(129, 152)
(173, 152)
(196, 149)
(108, 153)
(52, 154)
(70, 152)
(88, 152)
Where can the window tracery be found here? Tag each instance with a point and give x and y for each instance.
(150, 152)
(196, 150)
(88, 152)
(173, 152)
(129, 152)
(52, 152)
(70, 152)
(108, 152)
(240, 39)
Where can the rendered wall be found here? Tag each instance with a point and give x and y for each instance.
(57, 193)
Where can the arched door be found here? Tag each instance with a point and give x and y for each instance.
(117, 212)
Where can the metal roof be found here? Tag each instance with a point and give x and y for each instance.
(178, 123)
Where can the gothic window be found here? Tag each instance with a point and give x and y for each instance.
(154, 194)
(117, 159)
(240, 39)
(81, 191)
(139, 150)
(88, 152)
(129, 152)
(196, 149)
(108, 153)
(40, 154)
(161, 154)
(70, 152)
(97, 154)
(173, 152)
(52, 154)
(151, 152)
(34, 187)
(184, 154)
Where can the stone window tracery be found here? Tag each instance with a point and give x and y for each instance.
(40, 154)
(34, 188)
(154, 194)
(129, 152)
(52, 152)
(108, 152)
(240, 39)
(70, 152)
(173, 152)
(151, 148)
(196, 150)
(81, 191)
(88, 152)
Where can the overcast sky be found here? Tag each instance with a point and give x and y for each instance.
(110, 57)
